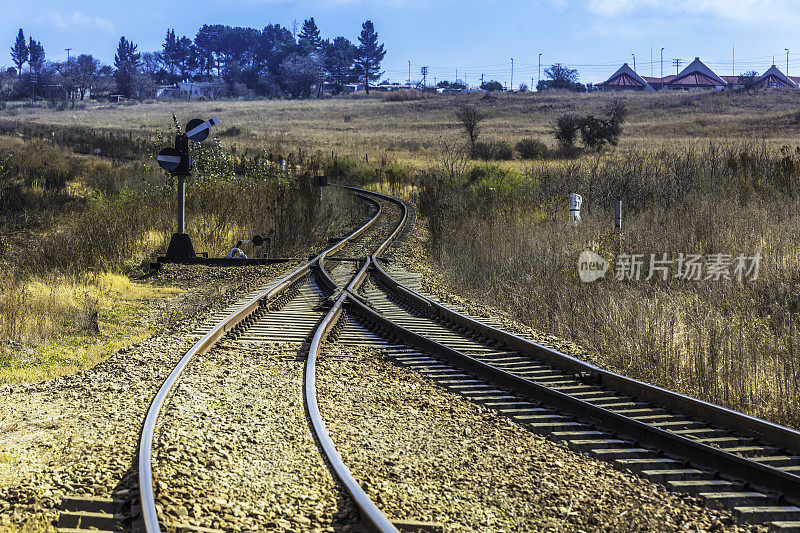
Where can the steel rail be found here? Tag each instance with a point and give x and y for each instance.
(697, 452)
(375, 518)
(146, 492)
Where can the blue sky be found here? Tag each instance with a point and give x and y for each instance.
(474, 36)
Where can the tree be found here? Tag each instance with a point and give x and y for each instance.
(369, 56)
(127, 61)
(492, 86)
(185, 57)
(69, 77)
(748, 80)
(561, 76)
(206, 42)
(274, 44)
(170, 52)
(566, 131)
(36, 55)
(309, 40)
(595, 132)
(19, 52)
(339, 57)
(470, 118)
(299, 73)
(88, 71)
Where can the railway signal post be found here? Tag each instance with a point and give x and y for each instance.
(178, 163)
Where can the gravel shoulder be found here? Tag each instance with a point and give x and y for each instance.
(422, 453)
(77, 434)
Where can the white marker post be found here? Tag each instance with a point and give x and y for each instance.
(575, 201)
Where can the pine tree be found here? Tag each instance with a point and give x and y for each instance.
(309, 39)
(19, 52)
(170, 52)
(369, 56)
(127, 61)
(339, 57)
(36, 55)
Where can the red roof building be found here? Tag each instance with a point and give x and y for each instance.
(625, 79)
(773, 78)
(696, 76)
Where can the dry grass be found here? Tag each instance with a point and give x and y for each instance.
(409, 131)
(74, 228)
(699, 173)
(727, 342)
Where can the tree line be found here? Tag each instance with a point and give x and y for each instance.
(240, 61)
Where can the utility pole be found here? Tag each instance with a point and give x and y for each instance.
(662, 67)
(456, 74)
(409, 72)
(512, 73)
(67, 50)
(540, 72)
(733, 61)
(787, 62)
(634, 62)
(651, 60)
(677, 63)
(424, 72)
(481, 80)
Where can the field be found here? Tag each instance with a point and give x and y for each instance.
(409, 131)
(701, 173)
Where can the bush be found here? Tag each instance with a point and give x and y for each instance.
(493, 151)
(403, 96)
(490, 175)
(233, 131)
(532, 149)
(595, 132)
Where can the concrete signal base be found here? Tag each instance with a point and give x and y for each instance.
(180, 246)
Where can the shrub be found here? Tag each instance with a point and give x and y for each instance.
(490, 175)
(493, 151)
(532, 149)
(566, 129)
(595, 132)
(404, 96)
(233, 131)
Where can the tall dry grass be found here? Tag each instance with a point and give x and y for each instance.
(66, 218)
(726, 342)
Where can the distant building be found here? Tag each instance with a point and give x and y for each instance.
(625, 79)
(196, 89)
(773, 78)
(696, 76)
(187, 89)
(353, 87)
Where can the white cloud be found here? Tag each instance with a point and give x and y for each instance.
(78, 21)
(735, 10)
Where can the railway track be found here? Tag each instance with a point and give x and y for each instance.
(727, 458)
(303, 306)
(346, 293)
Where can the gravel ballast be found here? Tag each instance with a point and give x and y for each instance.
(234, 451)
(422, 453)
(77, 435)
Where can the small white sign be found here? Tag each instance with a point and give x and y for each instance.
(575, 201)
